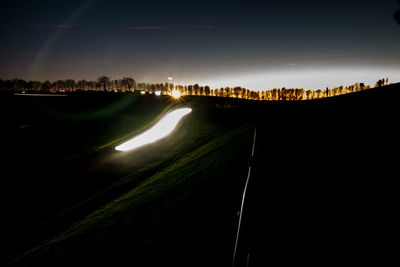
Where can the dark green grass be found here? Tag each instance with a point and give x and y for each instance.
(47, 149)
(183, 212)
(78, 124)
(45, 163)
(63, 194)
(179, 206)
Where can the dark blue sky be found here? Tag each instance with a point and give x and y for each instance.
(257, 44)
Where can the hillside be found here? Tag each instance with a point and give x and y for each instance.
(74, 188)
(322, 179)
(323, 187)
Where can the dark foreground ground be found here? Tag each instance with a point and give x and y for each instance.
(321, 190)
(323, 187)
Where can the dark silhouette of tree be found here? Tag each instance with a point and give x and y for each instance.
(243, 93)
(221, 92)
(152, 88)
(16, 85)
(207, 90)
(254, 95)
(308, 94)
(129, 83)
(70, 83)
(59, 85)
(227, 92)
(397, 15)
(298, 94)
(236, 91)
(380, 83)
(320, 93)
(46, 86)
(196, 89)
(103, 81)
(247, 94)
(81, 85)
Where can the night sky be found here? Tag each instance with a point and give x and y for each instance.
(255, 44)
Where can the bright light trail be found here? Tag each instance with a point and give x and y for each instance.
(160, 130)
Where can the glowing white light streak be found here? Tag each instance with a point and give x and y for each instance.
(160, 130)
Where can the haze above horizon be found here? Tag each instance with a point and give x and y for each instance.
(254, 44)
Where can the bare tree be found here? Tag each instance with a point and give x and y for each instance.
(129, 82)
(82, 85)
(70, 84)
(103, 81)
(46, 86)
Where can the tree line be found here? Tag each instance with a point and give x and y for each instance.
(103, 83)
(128, 84)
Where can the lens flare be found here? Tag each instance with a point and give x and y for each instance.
(176, 94)
(160, 130)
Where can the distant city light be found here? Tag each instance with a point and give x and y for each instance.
(176, 94)
(142, 92)
(160, 130)
(313, 78)
(157, 93)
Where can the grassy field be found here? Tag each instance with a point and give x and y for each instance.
(321, 180)
(87, 172)
(172, 214)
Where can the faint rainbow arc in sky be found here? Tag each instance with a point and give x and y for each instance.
(41, 57)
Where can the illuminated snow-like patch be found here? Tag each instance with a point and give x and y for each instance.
(160, 130)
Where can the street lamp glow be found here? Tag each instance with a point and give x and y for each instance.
(176, 94)
(160, 130)
(142, 92)
(158, 93)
